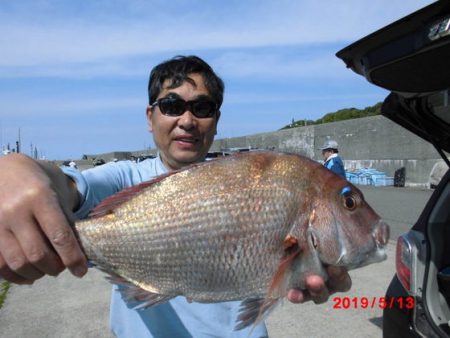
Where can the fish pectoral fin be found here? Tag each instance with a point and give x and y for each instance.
(289, 242)
(143, 298)
(278, 285)
(253, 311)
(133, 294)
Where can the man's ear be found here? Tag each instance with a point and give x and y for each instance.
(149, 113)
(217, 121)
(217, 116)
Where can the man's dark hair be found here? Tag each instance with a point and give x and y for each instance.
(178, 70)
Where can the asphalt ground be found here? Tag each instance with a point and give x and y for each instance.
(70, 307)
(399, 207)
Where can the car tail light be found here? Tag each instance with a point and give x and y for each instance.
(403, 261)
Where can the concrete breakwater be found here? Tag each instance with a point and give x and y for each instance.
(371, 142)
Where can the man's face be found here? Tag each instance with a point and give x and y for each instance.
(326, 153)
(185, 139)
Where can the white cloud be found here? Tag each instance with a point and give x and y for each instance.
(251, 98)
(269, 63)
(87, 37)
(52, 107)
(86, 70)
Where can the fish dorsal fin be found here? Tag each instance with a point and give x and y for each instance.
(110, 203)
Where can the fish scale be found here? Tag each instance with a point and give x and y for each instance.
(247, 226)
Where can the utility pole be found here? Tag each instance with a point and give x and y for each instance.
(18, 144)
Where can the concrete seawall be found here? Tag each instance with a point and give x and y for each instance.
(371, 142)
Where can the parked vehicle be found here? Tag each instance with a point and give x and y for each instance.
(411, 58)
(98, 161)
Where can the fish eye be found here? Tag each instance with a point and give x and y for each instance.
(350, 202)
(349, 198)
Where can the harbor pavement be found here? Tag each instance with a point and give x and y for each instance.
(66, 307)
(70, 307)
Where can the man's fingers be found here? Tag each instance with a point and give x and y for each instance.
(317, 289)
(15, 260)
(339, 280)
(298, 296)
(61, 236)
(7, 274)
(35, 236)
(37, 250)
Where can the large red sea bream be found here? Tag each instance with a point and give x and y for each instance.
(246, 227)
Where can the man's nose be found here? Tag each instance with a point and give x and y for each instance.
(187, 120)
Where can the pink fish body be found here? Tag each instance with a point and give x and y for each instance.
(249, 226)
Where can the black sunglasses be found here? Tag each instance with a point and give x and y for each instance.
(172, 106)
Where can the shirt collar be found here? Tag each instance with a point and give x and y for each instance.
(332, 156)
(160, 167)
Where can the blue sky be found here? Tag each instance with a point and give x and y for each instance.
(73, 74)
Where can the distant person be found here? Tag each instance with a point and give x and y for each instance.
(36, 239)
(332, 160)
(72, 164)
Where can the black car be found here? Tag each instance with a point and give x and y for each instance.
(411, 58)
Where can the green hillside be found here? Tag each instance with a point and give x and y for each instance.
(340, 115)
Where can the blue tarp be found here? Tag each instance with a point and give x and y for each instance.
(368, 176)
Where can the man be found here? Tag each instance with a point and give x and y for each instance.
(37, 200)
(331, 158)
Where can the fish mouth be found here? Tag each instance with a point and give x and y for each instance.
(376, 253)
(380, 233)
(376, 256)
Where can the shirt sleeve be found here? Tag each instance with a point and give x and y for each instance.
(97, 183)
(94, 185)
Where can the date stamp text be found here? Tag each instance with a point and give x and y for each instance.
(373, 302)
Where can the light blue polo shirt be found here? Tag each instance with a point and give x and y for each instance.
(176, 318)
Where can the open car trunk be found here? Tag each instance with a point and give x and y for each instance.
(411, 58)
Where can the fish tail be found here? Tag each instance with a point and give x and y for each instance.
(253, 311)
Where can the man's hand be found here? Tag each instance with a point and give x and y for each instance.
(318, 291)
(35, 235)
